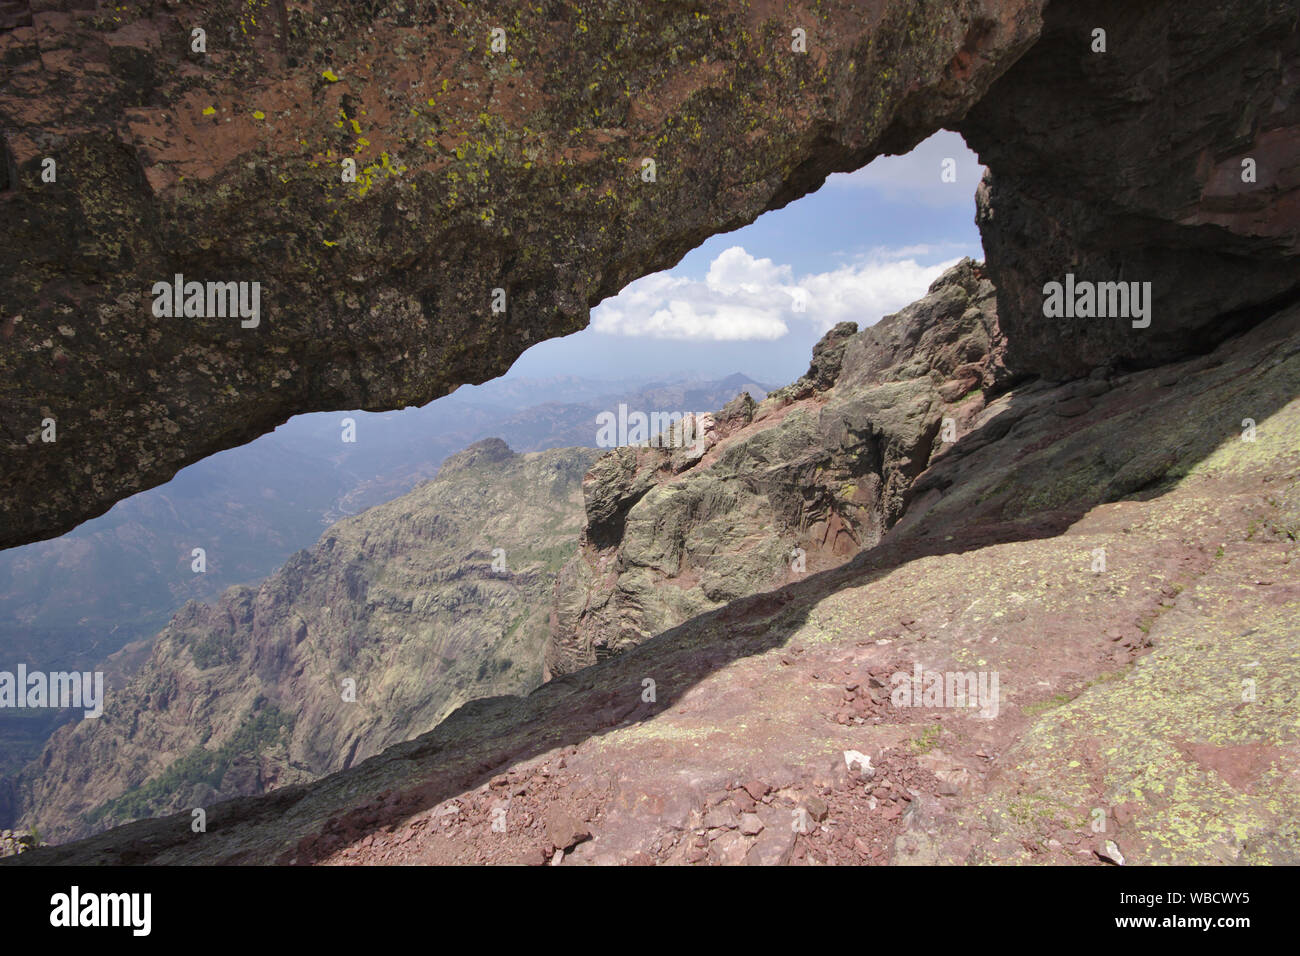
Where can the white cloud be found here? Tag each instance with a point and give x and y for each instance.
(867, 291)
(916, 177)
(735, 270)
(746, 299)
(720, 308)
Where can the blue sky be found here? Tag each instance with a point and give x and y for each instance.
(863, 246)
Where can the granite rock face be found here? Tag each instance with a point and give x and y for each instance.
(803, 481)
(1172, 158)
(477, 169)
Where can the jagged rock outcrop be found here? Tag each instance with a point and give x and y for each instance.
(411, 600)
(811, 476)
(477, 169)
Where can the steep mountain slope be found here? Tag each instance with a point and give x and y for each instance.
(1145, 703)
(250, 508)
(69, 603)
(248, 694)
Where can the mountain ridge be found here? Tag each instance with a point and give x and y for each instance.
(405, 600)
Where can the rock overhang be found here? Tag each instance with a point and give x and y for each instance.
(517, 177)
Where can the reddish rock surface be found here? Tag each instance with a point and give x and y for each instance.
(1120, 717)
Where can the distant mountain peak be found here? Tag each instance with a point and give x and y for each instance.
(487, 451)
